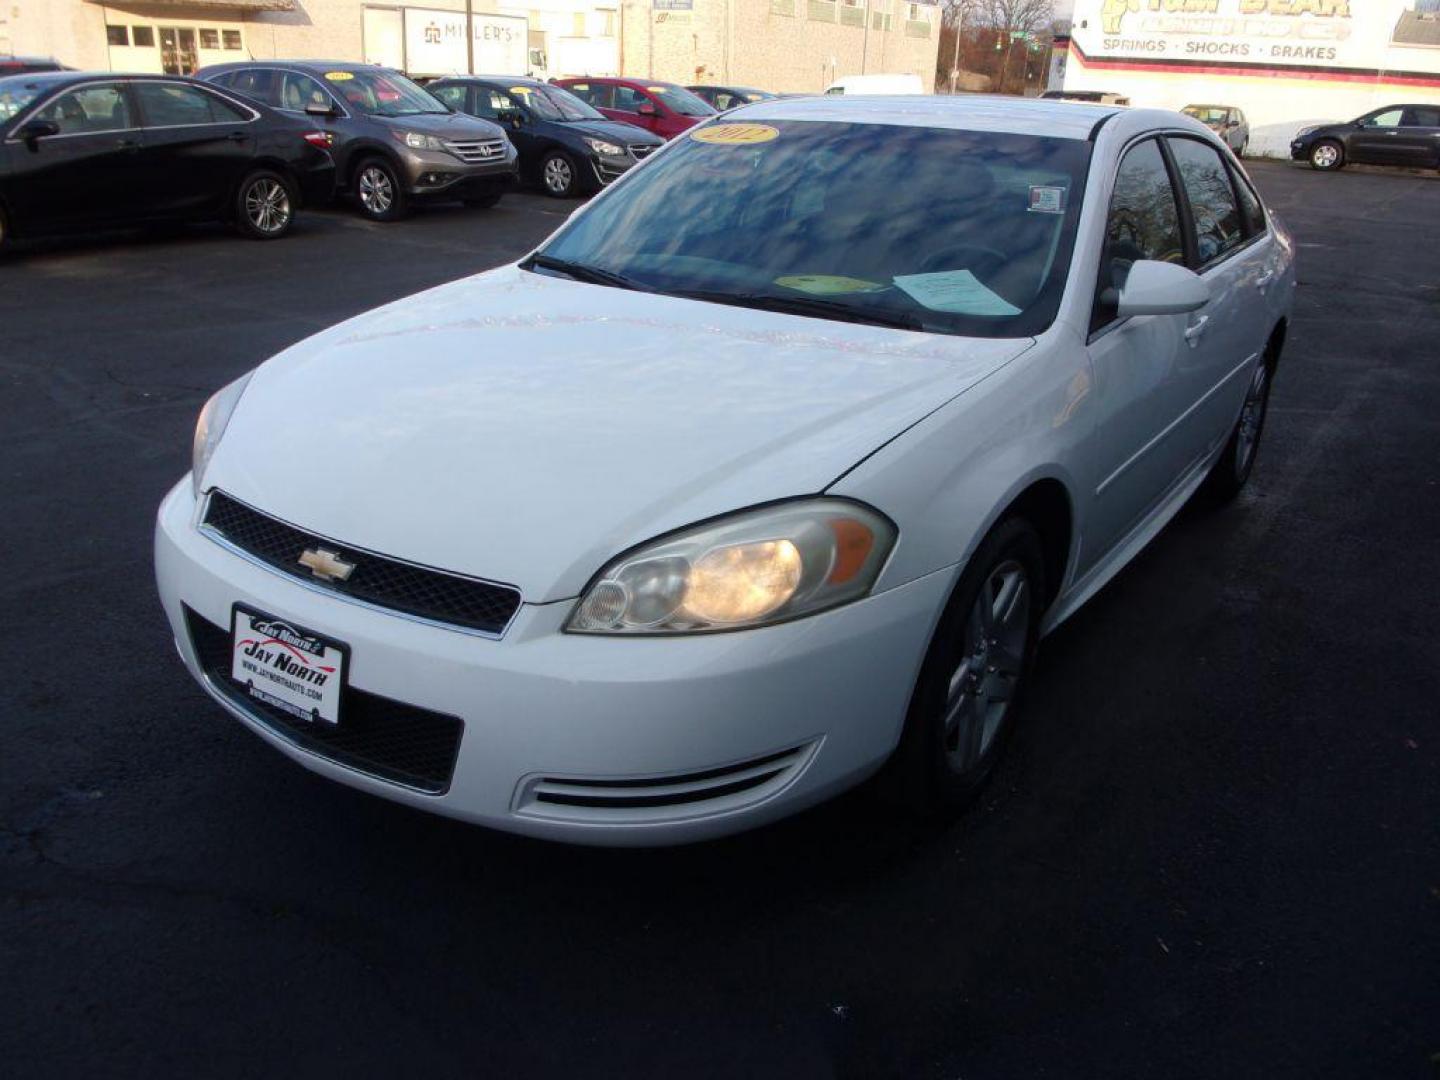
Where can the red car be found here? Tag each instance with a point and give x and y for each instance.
(661, 107)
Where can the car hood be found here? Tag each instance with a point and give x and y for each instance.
(612, 131)
(526, 429)
(444, 125)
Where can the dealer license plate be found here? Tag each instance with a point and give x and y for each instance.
(287, 666)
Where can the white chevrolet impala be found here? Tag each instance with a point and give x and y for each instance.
(765, 473)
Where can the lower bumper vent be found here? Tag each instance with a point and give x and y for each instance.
(618, 800)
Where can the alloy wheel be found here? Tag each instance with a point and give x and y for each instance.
(377, 190)
(267, 205)
(558, 176)
(1252, 418)
(1325, 156)
(992, 658)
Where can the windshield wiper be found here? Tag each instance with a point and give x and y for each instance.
(807, 305)
(591, 275)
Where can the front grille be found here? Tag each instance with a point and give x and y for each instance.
(473, 153)
(384, 582)
(640, 150)
(386, 739)
(621, 800)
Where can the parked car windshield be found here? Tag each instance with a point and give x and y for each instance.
(553, 103)
(1208, 114)
(16, 95)
(932, 229)
(678, 99)
(382, 93)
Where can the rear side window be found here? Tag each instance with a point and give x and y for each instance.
(1251, 211)
(1417, 116)
(1144, 223)
(89, 109)
(1212, 199)
(259, 85)
(173, 105)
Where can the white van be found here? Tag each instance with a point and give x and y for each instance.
(878, 84)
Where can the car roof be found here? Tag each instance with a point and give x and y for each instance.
(619, 80)
(1030, 116)
(300, 65)
(63, 78)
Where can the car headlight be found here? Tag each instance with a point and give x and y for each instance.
(417, 141)
(751, 569)
(600, 146)
(1305, 131)
(214, 418)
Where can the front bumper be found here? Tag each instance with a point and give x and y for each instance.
(1299, 151)
(700, 736)
(439, 173)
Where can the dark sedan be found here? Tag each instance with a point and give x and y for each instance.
(393, 143)
(725, 98)
(81, 151)
(565, 145)
(1395, 135)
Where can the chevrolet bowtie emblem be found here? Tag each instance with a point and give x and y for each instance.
(326, 565)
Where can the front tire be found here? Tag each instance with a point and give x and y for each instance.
(974, 673)
(379, 192)
(1327, 155)
(264, 206)
(1232, 469)
(559, 177)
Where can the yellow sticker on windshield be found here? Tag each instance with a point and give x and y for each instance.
(735, 134)
(339, 76)
(656, 89)
(521, 90)
(826, 284)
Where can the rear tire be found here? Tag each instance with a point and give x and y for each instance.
(264, 206)
(1327, 155)
(970, 685)
(378, 191)
(1232, 469)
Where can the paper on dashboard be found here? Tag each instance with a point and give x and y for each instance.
(957, 291)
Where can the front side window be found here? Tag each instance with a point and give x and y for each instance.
(173, 105)
(454, 96)
(16, 95)
(1212, 199)
(679, 100)
(628, 99)
(954, 232)
(1388, 119)
(89, 109)
(1143, 223)
(299, 91)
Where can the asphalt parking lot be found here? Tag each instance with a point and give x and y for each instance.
(1214, 849)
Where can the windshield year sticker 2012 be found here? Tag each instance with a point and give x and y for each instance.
(1047, 200)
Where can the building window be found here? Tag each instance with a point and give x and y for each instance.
(608, 30)
(820, 10)
(144, 37)
(577, 27)
(782, 7)
(209, 39)
(851, 13)
(117, 35)
(232, 39)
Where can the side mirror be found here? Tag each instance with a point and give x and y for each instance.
(645, 109)
(316, 108)
(36, 129)
(1160, 288)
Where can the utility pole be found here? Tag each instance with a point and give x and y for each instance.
(955, 63)
(865, 39)
(470, 36)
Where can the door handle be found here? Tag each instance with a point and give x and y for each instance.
(237, 136)
(128, 144)
(1196, 330)
(1263, 281)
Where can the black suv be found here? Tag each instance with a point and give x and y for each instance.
(1394, 135)
(565, 145)
(392, 142)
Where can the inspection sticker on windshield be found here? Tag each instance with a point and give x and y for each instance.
(1047, 200)
(826, 284)
(957, 291)
(735, 134)
(339, 76)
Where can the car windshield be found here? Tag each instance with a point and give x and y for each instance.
(1207, 114)
(678, 99)
(16, 95)
(553, 103)
(934, 229)
(381, 93)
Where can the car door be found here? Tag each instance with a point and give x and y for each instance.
(628, 106)
(1138, 363)
(1224, 339)
(1374, 139)
(597, 95)
(198, 146)
(86, 174)
(1420, 136)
